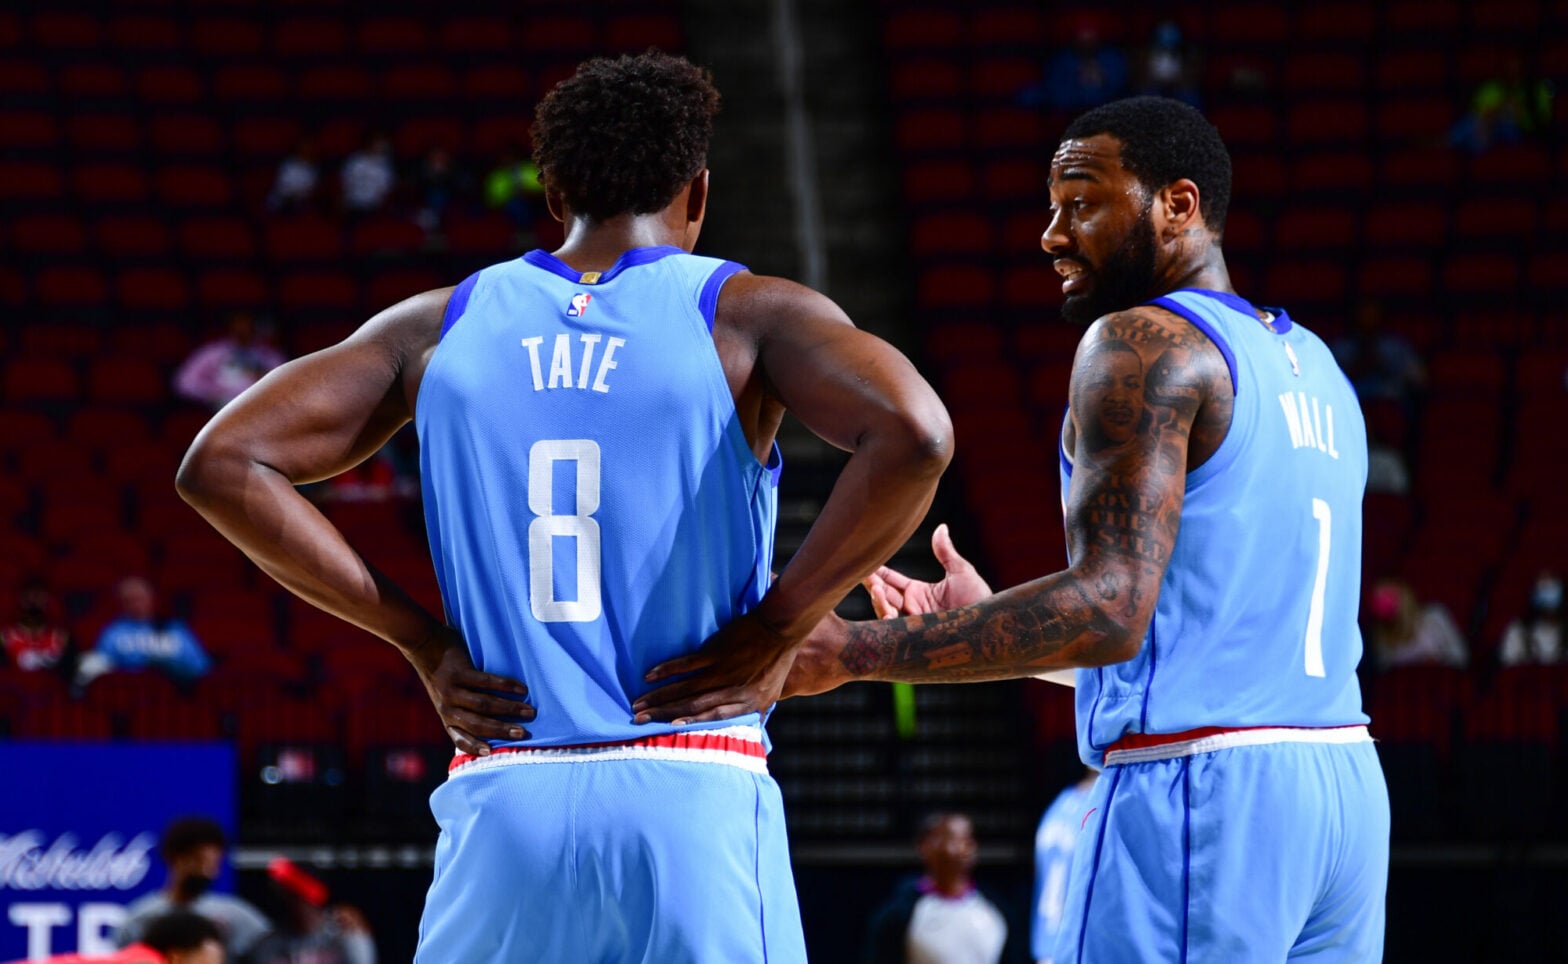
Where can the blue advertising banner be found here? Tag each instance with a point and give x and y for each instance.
(79, 826)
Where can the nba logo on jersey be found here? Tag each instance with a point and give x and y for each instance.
(578, 306)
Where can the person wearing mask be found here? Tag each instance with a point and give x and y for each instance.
(1537, 636)
(940, 917)
(192, 849)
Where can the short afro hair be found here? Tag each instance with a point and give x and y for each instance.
(179, 930)
(1164, 140)
(189, 834)
(624, 135)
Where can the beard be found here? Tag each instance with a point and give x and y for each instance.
(1123, 280)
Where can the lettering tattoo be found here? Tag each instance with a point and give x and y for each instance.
(1144, 385)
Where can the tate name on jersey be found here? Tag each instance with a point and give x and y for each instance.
(562, 366)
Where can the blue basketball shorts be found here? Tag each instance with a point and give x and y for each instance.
(667, 850)
(1248, 846)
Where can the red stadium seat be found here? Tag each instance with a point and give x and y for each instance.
(473, 35)
(222, 37)
(1325, 72)
(66, 31)
(487, 236)
(303, 238)
(194, 186)
(29, 181)
(1413, 119)
(132, 236)
(25, 131)
(1010, 128)
(153, 289)
(385, 36)
(1509, 166)
(345, 82)
(145, 34)
(1035, 286)
(1306, 281)
(307, 37)
(637, 33)
(217, 238)
(1319, 227)
(107, 425)
(251, 83)
(20, 77)
(394, 285)
(417, 135)
(62, 340)
(500, 83)
(1480, 274)
(385, 235)
(231, 288)
(62, 719)
(313, 290)
(127, 381)
(1342, 22)
(1246, 125)
(953, 233)
(104, 133)
(1491, 219)
(926, 80)
(564, 37)
(165, 84)
(70, 287)
(1015, 179)
(266, 137)
(1417, 171)
(957, 286)
(20, 428)
(923, 30)
(931, 181)
(1002, 27)
(1405, 18)
(51, 234)
(1405, 225)
(1327, 122)
(1398, 276)
(934, 130)
(109, 183)
(1001, 79)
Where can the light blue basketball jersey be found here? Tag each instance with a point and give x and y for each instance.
(593, 506)
(1256, 619)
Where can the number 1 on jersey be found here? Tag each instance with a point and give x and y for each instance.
(543, 531)
(1320, 512)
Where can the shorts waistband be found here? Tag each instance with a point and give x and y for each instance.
(1144, 747)
(737, 746)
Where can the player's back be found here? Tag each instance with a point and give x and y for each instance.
(594, 507)
(1255, 625)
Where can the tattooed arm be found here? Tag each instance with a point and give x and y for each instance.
(1145, 384)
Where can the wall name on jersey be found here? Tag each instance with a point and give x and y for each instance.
(563, 366)
(1311, 423)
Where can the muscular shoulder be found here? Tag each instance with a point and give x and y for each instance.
(755, 304)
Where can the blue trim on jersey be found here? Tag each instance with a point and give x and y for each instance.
(708, 301)
(1235, 302)
(1186, 852)
(775, 465)
(1094, 866)
(631, 259)
(1202, 324)
(457, 303)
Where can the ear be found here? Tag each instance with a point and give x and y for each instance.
(697, 199)
(1179, 208)
(553, 201)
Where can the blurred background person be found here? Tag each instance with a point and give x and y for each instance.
(513, 187)
(1381, 364)
(940, 917)
(176, 937)
(1403, 632)
(368, 175)
(1504, 109)
(1537, 636)
(1087, 74)
(36, 639)
(222, 368)
(1166, 68)
(1054, 842)
(309, 931)
(193, 850)
(298, 182)
(140, 638)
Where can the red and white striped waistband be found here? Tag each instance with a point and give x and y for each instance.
(1144, 747)
(736, 746)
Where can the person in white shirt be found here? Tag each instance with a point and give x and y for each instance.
(1537, 636)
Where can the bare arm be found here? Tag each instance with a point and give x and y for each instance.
(311, 419)
(1138, 383)
(860, 394)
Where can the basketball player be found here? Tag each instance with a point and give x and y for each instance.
(1214, 528)
(597, 442)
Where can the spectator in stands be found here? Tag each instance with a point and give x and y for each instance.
(1537, 636)
(440, 181)
(298, 181)
(941, 917)
(1403, 632)
(1087, 74)
(310, 930)
(1386, 470)
(368, 175)
(1054, 842)
(193, 849)
(140, 638)
(1166, 68)
(177, 937)
(1504, 110)
(219, 370)
(1380, 363)
(513, 186)
(36, 640)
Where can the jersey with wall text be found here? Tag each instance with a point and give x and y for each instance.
(1255, 624)
(593, 505)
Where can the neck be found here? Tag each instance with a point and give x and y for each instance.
(1204, 269)
(951, 886)
(595, 245)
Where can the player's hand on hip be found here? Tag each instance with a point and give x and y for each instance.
(895, 594)
(739, 670)
(474, 706)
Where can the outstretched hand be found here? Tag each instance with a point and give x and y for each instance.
(739, 670)
(895, 594)
(468, 700)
